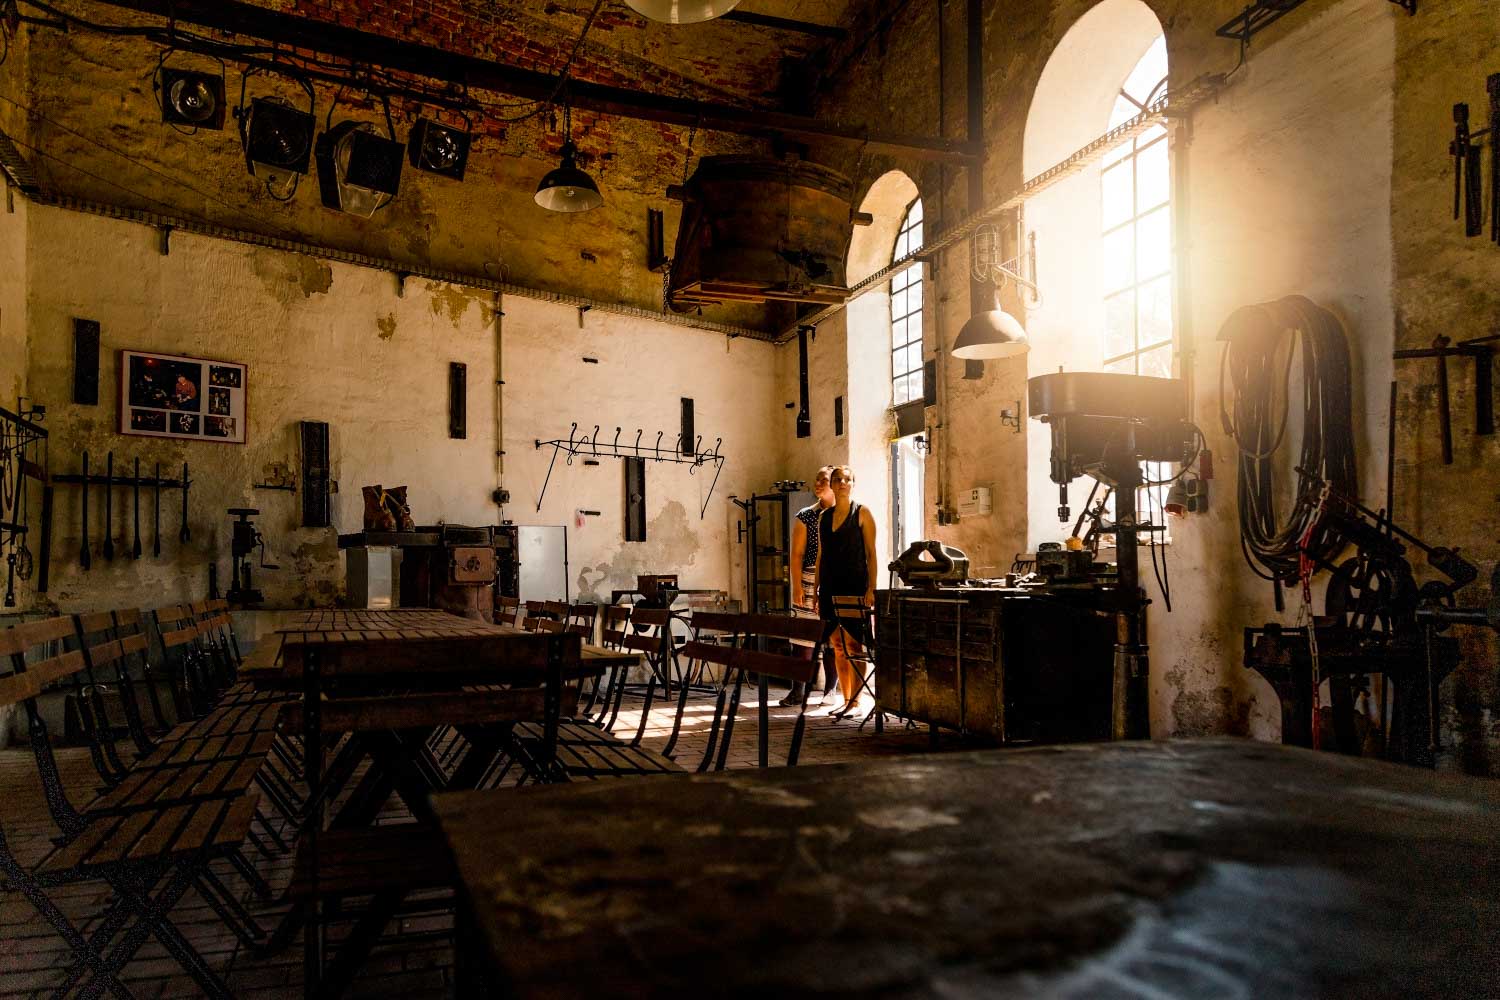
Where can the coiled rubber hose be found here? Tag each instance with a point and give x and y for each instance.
(1261, 346)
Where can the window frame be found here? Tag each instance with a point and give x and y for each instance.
(1130, 162)
(912, 321)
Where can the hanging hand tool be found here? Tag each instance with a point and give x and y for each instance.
(156, 538)
(1468, 173)
(109, 505)
(184, 535)
(1482, 351)
(135, 492)
(1492, 86)
(85, 558)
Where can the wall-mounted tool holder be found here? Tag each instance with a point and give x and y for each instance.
(135, 483)
(590, 446)
(1467, 151)
(1482, 351)
(23, 456)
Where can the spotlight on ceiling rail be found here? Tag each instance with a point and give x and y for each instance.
(278, 141)
(682, 11)
(359, 171)
(191, 99)
(439, 149)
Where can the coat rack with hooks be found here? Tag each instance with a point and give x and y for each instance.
(590, 446)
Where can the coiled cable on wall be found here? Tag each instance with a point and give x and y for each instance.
(1261, 347)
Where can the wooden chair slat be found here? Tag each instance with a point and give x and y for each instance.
(98, 621)
(18, 687)
(28, 634)
(783, 627)
(708, 652)
(791, 668)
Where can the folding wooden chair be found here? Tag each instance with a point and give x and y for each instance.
(791, 667)
(507, 610)
(861, 617)
(168, 843)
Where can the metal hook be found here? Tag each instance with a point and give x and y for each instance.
(656, 451)
(616, 445)
(638, 433)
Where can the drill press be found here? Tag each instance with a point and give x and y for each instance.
(243, 543)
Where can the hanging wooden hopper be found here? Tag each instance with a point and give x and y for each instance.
(756, 229)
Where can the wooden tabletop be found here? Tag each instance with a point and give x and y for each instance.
(1193, 868)
(414, 640)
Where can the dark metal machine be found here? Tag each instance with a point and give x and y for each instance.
(242, 545)
(930, 563)
(1104, 425)
(1378, 622)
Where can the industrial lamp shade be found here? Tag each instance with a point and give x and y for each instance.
(568, 189)
(193, 100)
(991, 335)
(682, 11)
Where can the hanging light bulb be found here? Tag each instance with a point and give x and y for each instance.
(568, 189)
(682, 11)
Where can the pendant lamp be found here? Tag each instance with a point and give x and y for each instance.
(568, 189)
(991, 335)
(682, 11)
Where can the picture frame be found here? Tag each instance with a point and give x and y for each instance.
(177, 396)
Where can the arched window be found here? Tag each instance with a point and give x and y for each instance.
(1136, 216)
(906, 312)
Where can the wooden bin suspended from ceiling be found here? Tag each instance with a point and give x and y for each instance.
(756, 229)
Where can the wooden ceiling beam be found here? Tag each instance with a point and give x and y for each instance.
(369, 48)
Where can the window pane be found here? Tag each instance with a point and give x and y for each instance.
(1119, 324)
(1150, 135)
(1155, 315)
(898, 303)
(914, 291)
(1153, 177)
(1117, 200)
(898, 332)
(914, 239)
(1154, 244)
(902, 392)
(900, 281)
(1148, 72)
(915, 382)
(901, 361)
(1124, 365)
(1119, 259)
(1157, 362)
(914, 214)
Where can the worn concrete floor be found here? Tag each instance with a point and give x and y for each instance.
(415, 968)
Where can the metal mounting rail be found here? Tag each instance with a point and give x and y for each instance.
(589, 446)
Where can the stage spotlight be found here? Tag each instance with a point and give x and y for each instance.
(439, 149)
(359, 171)
(278, 141)
(190, 99)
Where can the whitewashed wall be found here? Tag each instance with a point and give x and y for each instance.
(327, 341)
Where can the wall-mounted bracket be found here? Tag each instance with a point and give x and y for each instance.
(1012, 418)
(1482, 351)
(692, 455)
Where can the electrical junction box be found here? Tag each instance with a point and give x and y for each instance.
(975, 502)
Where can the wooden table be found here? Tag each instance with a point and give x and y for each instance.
(390, 679)
(1199, 868)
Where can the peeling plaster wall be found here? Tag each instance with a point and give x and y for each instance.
(1449, 285)
(644, 371)
(327, 341)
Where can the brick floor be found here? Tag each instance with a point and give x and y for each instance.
(31, 956)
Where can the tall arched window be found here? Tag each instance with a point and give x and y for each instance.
(1136, 216)
(906, 312)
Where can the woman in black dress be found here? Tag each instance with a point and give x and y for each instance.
(846, 568)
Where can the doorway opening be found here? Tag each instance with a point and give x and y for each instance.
(908, 491)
